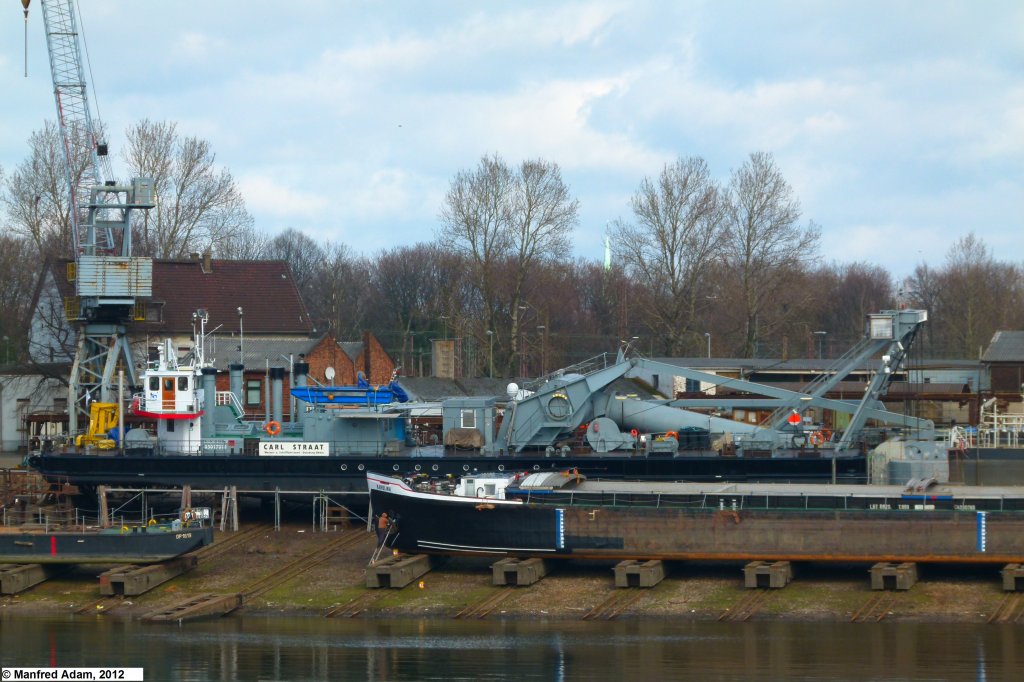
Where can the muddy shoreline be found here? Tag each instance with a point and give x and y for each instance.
(570, 591)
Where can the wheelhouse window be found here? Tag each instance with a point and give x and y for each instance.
(468, 419)
(182, 383)
(154, 383)
(253, 392)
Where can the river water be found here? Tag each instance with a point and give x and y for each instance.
(259, 648)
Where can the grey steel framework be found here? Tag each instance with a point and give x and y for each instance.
(108, 277)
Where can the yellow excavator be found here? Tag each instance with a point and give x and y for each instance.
(102, 418)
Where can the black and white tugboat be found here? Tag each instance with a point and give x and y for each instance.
(565, 515)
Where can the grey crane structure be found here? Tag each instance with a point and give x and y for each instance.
(109, 279)
(561, 403)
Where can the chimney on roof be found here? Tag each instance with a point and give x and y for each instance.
(207, 265)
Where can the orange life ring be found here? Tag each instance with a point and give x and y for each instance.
(672, 434)
(272, 428)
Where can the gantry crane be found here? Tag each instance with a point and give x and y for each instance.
(108, 278)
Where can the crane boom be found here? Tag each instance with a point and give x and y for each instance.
(108, 278)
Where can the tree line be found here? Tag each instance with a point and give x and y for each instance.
(698, 266)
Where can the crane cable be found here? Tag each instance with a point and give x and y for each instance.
(88, 61)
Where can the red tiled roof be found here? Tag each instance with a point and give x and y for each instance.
(265, 291)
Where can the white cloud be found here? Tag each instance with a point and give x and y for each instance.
(194, 45)
(269, 196)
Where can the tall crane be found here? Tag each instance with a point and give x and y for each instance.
(108, 278)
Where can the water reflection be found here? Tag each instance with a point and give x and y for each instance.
(249, 648)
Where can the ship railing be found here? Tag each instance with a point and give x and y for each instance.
(231, 400)
(1000, 430)
(730, 502)
(584, 368)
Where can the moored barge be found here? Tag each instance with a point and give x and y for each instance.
(144, 544)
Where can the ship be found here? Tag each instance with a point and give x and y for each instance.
(565, 515)
(571, 418)
(122, 544)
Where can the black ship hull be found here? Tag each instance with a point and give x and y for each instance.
(142, 545)
(347, 474)
(612, 527)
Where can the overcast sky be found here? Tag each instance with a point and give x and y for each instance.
(900, 125)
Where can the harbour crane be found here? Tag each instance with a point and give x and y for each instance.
(109, 280)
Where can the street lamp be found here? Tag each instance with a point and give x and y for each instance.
(708, 334)
(490, 341)
(241, 339)
(821, 339)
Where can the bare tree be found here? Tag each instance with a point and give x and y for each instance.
(246, 243)
(35, 195)
(17, 285)
(844, 294)
(505, 222)
(764, 246)
(670, 250)
(978, 295)
(198, 205)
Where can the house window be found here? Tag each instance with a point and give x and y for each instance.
(253, 392)
(468, 419)
(154, 312)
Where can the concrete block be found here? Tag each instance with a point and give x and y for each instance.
(15, 578)
(135, 580)
(774, 575)
(397, 571)
(889, 576)
(1013, 577)
(518, 572)
(633, 573)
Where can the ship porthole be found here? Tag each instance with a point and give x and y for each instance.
(536, 467)
(433, 467)
(501, 467)
(417, 467)
(395, 467)
(465, 467)
(344, 467)
(361, 467)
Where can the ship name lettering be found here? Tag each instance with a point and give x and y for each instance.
(183, 536)
(965, 507)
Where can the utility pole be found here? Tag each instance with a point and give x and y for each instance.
(490, 340)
